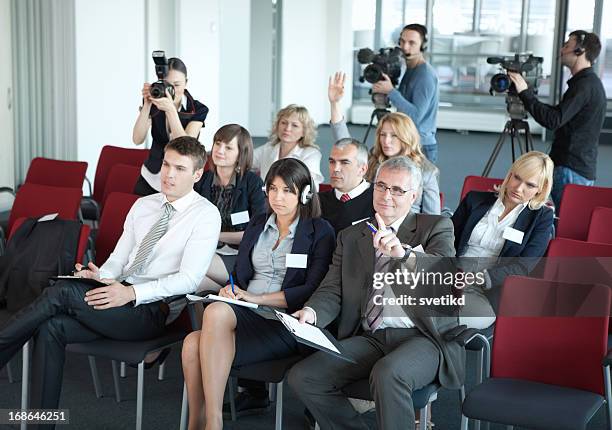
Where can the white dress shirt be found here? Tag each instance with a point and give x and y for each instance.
(355, 192)
(486, 240)
(264, 156)
(394, 316)
(179, 261)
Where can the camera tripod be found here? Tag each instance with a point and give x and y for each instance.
(377, 113)
(512, 128)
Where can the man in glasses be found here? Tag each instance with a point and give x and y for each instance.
(396, 349)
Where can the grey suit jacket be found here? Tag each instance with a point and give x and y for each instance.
(344, 291)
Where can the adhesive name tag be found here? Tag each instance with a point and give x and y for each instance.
(297, 261)
(513, 235)
(240, 217)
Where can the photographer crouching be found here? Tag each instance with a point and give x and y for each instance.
(578, 119)
(170, 112)
(417, 95)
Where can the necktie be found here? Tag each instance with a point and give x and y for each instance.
(345, 198)
(374, 312)
(149, 241)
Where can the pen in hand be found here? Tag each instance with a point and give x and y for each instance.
(232, 284)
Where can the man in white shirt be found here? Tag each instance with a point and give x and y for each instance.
(167, 244)
(350, 199)
(397, 348)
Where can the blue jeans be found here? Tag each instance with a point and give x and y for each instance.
(431, 152)
(561, 177)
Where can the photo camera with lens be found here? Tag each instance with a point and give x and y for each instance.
(527, 65)
(158, 89)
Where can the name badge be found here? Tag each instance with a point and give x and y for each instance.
(297, 261)
(240, 217)
(513, 235)
(49, 217)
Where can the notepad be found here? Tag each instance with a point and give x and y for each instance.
(306, 332)
(214, 298)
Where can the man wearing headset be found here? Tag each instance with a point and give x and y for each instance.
(417, 95)
(578, 119)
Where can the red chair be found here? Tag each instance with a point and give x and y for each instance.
(122, 179)
(547, 357)
(576, 206)
(111, 224)
(34, 200)
(599, 228)
(324, 188)
(479, 183)
(110, 156)
(56, 173)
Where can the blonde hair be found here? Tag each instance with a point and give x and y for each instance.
(310, 128)
(532, 164)
(408, 135)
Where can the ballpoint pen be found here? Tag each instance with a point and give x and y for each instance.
(232, 283)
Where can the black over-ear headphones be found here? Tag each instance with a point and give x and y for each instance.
(579, 49)
(308, 191)
(421, 29)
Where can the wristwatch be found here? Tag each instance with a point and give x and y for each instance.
(407, 249)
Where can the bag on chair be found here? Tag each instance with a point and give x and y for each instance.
(35, 252)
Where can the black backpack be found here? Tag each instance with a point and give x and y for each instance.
(36, 251)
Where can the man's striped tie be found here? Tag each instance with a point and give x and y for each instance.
(149, 241)
(345, 198)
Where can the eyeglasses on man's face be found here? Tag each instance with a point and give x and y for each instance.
(381, 187)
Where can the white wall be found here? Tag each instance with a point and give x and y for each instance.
(235, 59)
(316, 41)
(260, 78)
(198, 41)
(7, 163)
(109, 68)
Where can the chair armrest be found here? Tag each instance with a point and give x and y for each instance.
(469, 338)
(607, 360)
(2, 241)
(89, 186)
(7, 190)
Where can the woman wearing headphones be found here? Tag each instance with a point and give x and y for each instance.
(396, 135)
(168, 118)
(283, 256)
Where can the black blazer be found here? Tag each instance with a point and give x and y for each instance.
(536, 225)
(248, 194)
(314, 237)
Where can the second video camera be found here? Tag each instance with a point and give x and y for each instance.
(158, 89)
(527, 64)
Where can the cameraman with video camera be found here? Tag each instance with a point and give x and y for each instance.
(578, 119)
(417, 94)
(170, 112)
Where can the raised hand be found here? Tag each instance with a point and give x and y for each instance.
(335, 89)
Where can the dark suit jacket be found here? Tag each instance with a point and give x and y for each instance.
(344, 291)
(248, 194)
(537, 226)
(314, 237)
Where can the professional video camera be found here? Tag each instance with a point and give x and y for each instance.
(388, 61)
(526, 64)
(158, 89)
(516, 126)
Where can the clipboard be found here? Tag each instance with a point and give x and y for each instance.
(334, 349)
(88, 281)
